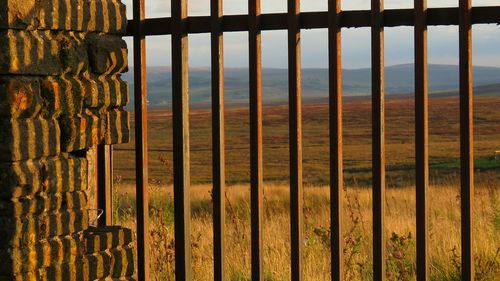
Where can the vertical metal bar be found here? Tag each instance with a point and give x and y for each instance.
(421, 137)
(466, 139)
(295, 138)
(378, 139)
(180, 115)
(105, 183)
(336, 140)
(218, 145)
(255, 69)
(141, 143)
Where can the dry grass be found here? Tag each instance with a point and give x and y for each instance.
(444, 227)
(400, 224)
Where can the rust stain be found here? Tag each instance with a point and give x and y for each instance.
(83, 125)
(19, 95)
(57, 95)
(20, 100)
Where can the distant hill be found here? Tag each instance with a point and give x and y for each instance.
(443, 79)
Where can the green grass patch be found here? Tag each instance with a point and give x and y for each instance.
(485, 163)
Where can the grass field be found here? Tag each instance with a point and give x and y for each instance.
(444, 142)
(444, 231)
(400, 198)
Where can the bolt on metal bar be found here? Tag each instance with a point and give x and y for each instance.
(336, 139)
(466, 139)
(256, 168)
(421, 138)
(218, 137)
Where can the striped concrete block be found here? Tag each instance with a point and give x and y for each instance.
(105, 238)
(19, 97)
(44, 253)
(123, 262)
(109, 92)
(117, 127)
(42, 52)
(20, 179)
(62, 95)
(115, 263)
(68, 95)
(63, 259)
(40, 203)
(23, 139)
(28, 230)
(64, 174)
(81, 132)
(107, 54)
(117, 279)
(107, 16)
(27, 276)
(77, 271)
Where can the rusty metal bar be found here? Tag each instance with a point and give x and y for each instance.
(421, 138)
(141, 144)
(295, 139)
(218, 145)
(378, 139)
(466, 140)
(105, 183)
(336, 139)
(180, 115)
(315, 20)
(256, 170)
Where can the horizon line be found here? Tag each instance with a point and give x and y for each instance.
(131, 67)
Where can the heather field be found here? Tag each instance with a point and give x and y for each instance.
(444, 229)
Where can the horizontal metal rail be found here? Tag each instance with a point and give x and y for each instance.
(316, 20)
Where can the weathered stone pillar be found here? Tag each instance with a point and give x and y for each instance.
(61, 94)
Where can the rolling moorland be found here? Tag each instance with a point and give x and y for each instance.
(443, 130)
(443, 79)
(444, 218)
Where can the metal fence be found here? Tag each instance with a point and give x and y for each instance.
(179, 26)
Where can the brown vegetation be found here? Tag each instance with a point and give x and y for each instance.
(444, 142)
(400, 199)
(399, 229)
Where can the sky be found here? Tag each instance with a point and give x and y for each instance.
(443, 40)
